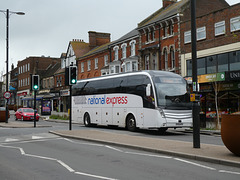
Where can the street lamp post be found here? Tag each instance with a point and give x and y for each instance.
(8, 13)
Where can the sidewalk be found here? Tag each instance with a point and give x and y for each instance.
(209, 153)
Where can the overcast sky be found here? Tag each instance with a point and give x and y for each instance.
(49, 25)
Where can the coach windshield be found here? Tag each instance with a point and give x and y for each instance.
(172, 92)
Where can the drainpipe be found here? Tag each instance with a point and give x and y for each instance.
(159, 40)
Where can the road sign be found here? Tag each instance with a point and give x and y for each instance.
(7, 95)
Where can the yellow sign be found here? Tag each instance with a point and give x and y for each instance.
(192, 97)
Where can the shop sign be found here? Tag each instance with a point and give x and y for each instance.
(65, 92)
(211, 77)
(229, 86)
(233, 75)
(22, 94)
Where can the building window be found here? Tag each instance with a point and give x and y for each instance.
(189, 67)
(187, 37)
(222, 60)
(115, 49)
(165, 31)
(235, 23)
(19, 83)
(124, 50)
(219, 28)
(106, 60)
(128, 67)
(147, 36)
(172, 54)
(133, 46)
(234, 58)
(170, 29)
(211, 64)
(147, 59)
(201, 66)
(82, 66)
(115, 69)
(19, 70)
(201, 33)
(96, 63)
(152, 35)
(28, 66)
(89, 65)
(134, 66)
(165, 59)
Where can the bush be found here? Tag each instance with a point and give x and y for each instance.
(64, 117)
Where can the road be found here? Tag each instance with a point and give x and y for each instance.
(33, 153)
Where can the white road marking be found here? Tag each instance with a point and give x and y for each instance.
(37, 137)
(10, 140)
(229, 172)
(95, 176)
(150, 155)
(59, 161)
(195, 164)
(113, 148)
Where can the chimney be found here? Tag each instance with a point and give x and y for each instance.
(166, 3)
(98, 39)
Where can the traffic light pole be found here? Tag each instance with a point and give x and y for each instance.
(35, 92)
(70, 110)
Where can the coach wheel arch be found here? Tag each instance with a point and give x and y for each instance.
(131, 122)
(87, 119)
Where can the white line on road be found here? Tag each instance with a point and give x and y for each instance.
(229, 172)
(95, 176)
(59, 161)
(115, 149)
(150, 155)
(195, 164)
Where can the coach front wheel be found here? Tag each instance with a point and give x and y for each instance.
(87, 120)
(131, 123)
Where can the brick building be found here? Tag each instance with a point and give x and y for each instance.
(91, 63)
(218, 57)
(28, 67)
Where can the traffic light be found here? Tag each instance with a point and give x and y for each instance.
(35, 82)
(72, 75)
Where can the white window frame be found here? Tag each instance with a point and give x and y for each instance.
(106, 60)
(124, 51)
(96, 63)
(165, 59)
(187, 37)
(89, 65)
(82, 66)
(201, 33)
(171, 30)
(220, 28)
(147, 62)
(235, 24)
(133, 47)
(115, 49)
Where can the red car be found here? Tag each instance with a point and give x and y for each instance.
(26, 114)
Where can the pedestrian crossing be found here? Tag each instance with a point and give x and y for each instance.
(27, 137)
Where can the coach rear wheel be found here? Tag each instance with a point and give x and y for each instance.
(131, 123)
(87, 120)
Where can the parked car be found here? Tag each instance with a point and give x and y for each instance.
(26, 114)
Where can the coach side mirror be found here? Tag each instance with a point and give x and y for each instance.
(148, 90)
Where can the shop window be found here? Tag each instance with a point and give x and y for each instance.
(222, 62)
(201, 66)
(234, 58)
(189, 67)
(211, 64)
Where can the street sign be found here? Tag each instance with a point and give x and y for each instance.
(7, 95)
